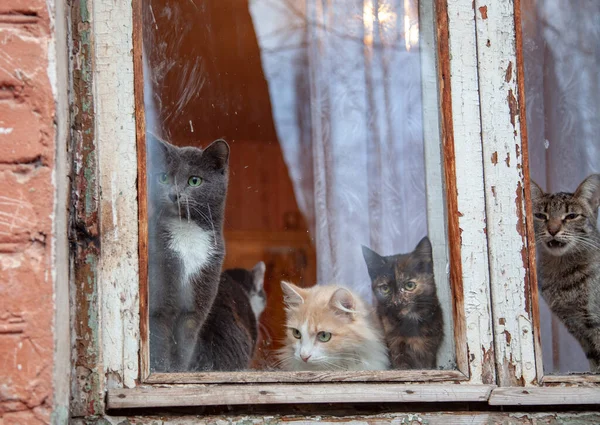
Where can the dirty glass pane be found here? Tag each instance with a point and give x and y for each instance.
(288, 141)
(562, 83)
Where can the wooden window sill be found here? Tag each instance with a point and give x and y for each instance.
(214, 395)
(543, 396)
(248, 394)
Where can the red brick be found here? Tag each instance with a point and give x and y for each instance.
(22, 418)
(26, 207)
(34, 8)
(22, 134)
(24, 59)
(26, 103)
(25, 204)
(25, 306)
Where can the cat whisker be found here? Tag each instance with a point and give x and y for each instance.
(211, 222)
(196, 209)
(584, 241)
(178, 199)
(332, 365)
(187, 202)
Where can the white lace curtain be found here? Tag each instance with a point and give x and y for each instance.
(562, 83)
(345, 84)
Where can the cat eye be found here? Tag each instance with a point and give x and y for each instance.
(571, 216)
(195, 181)
(324, 336)
(384, 289)
(296, 333)
(410, 285)
(163, 178)
(541, 216)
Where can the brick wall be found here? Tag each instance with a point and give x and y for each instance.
(26, 211)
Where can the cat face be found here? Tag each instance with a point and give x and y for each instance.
(253, 282)
(188, 182)
(325, 328)
(404, 283)
(564, 222)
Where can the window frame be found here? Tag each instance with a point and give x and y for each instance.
(446, 161)
(107, 230)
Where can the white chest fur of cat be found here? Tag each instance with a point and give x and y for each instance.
(194, 246)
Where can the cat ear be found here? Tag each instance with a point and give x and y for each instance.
(374, 261)
(292, 295)
(343, 302)
(423, 252)
(258, 275)
(589, 190)
(536, 191)
(423, 249)
(217, 154)
(156, 145)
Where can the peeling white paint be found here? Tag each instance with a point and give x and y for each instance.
(505, 208)
(469, 181)
(6, 130)
(115, 132)
(117, 161)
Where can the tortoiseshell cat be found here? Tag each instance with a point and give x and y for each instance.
(187, 188)
(568, 260)
(228, 338)
(330, 328)
(407, 305)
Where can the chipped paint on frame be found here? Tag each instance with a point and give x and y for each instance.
(469, 182)
(117, 162)
(505, 208)
(446, 418)
(113, 340)
(87, 378)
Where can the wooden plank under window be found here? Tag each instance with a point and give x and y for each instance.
(214, 395)
(535, 396)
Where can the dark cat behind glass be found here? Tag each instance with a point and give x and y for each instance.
(187, 188)
(407, 305)
(228, 340)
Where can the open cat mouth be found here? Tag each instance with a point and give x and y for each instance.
(555, 244)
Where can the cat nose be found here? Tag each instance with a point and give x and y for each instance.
(305, 357)
(173, 197)
(553, 229)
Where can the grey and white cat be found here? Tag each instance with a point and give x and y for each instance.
(568, 260)
(187, 188)
(228, 339)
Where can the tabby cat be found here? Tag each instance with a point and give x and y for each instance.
(568, 260)
(330, 328)
(407, 304)
(187, 188)
(228, 338)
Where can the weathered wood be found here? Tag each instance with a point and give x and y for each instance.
(354, 376)
(458, 418)
(142, 185)
(58, 71)
(531, 284)
(437, 216)
(117, 159)
(571, 379)
(505, 207)
(209, 395)
(536, 396)
(461, 131)
(87, 387)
